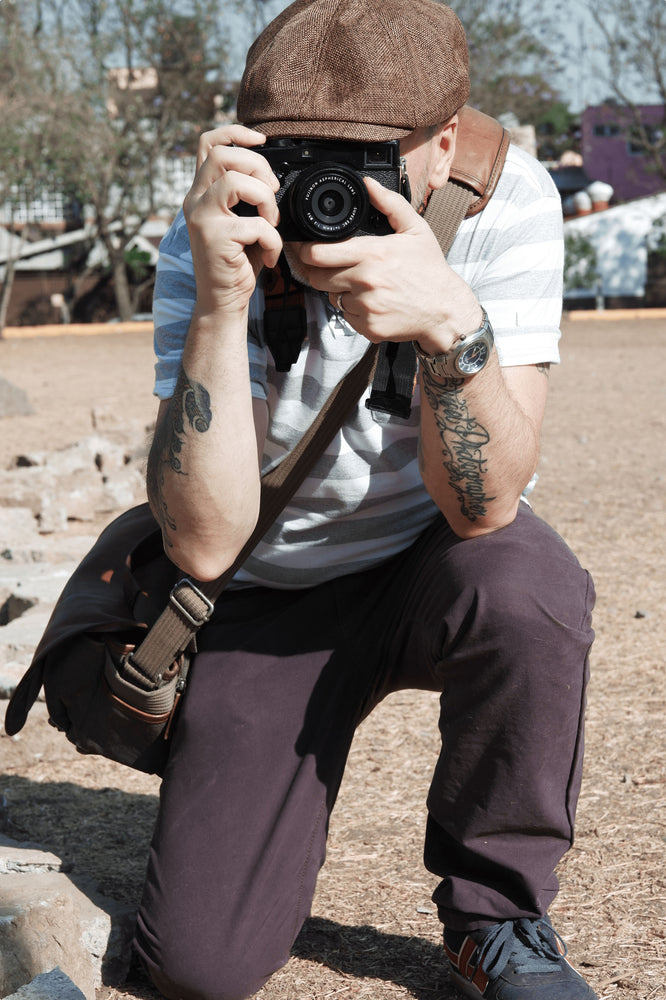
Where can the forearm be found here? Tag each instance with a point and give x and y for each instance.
(203, 469)
(478, 449)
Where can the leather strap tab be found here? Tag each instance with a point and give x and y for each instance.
(481, 148)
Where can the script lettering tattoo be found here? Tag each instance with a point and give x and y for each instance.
(190, 406)
(463, 439)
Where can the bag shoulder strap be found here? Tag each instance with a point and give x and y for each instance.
(481, 147)
(191, 603)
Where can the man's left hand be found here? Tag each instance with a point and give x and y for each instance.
(396, 287)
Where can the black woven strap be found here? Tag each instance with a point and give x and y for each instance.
(191, 602)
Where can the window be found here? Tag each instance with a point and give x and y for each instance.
(606, 130)
(28, 206)
(637, 146)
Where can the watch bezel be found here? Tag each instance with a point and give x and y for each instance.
(448, 364)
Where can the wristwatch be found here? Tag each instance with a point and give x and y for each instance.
(467, 356)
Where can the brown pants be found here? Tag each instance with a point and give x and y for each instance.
(499, 624)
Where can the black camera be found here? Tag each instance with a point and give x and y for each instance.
(322, 195)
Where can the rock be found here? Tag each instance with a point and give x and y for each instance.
(94, 476)
(53, 985)
(13, 606)
(18, 528)
(13, 401)
(34, 587)
(122, 489)
(46, 921)
(27, 488)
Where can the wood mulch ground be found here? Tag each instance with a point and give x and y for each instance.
(374, 932)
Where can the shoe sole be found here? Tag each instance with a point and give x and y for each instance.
(464, 985)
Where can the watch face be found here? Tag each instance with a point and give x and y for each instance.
(473, 358)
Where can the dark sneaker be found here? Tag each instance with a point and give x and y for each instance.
(514, 960)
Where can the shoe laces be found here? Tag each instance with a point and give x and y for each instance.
(519, 943)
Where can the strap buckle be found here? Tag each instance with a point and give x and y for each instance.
(190, 614)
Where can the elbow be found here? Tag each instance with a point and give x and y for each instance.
(206, 558)
(203, 563)
(472, 525)
(204, 551)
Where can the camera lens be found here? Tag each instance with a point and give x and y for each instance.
(328, 202)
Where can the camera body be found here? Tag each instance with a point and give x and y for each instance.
(322, 194)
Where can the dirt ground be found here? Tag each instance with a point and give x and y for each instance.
(374, 931)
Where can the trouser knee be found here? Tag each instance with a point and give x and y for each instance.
(519, 589)
(226, 977)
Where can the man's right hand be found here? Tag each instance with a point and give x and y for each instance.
(229, 250)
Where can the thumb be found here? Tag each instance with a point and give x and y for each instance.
(400, 214)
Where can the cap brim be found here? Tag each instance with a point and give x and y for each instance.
(348, 131)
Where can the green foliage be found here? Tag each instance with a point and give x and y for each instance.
(581, 268)
(557, 130)
(138, 264)
(509, 58)
(656, 238)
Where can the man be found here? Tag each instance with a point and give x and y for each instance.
(407, 558)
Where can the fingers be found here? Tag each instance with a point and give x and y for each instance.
(230, 175)
(400, 214)
(227, 135)
(241, 174)
(229, 247)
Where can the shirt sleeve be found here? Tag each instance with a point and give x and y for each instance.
(512, 256)
(173, 304)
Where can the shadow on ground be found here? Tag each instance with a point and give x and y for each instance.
(102, 837)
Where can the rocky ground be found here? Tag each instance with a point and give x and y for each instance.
(374, 932)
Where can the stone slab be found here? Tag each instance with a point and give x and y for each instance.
(53, 985)
(47, 922)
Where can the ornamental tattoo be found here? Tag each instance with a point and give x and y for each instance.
(190, 408)
(463, 439)
(191, 404)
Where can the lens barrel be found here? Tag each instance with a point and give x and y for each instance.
(328, 202)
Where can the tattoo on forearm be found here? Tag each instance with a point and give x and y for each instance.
(190, 407)
(463, 440)
(191, 404)
(544, 369)
(155, 483)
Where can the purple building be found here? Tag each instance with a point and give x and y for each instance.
(610, 155)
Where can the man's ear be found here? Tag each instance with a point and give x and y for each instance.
(445, 139)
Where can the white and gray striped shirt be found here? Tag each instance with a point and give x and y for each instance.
(365, 501)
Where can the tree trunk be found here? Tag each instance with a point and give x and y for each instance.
(121, 285)
(6, 292)
(655, 285)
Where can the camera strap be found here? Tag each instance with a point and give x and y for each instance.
(285, 320)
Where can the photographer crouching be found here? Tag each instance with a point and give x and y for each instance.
(407, 557)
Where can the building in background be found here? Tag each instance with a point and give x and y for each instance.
(612, 151)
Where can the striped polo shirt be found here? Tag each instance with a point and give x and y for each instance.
(364, 501)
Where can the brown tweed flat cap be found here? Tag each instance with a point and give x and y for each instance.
(364, 70)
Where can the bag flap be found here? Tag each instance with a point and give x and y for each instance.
(481, 148)
(94, 599)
